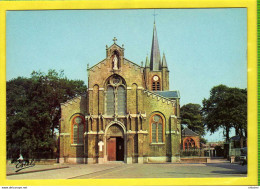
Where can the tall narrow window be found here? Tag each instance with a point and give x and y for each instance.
(121, 100)
(156, 83)
(116, 96)
(78, 129)
(156, 129)
(110, 102)
(75, 134)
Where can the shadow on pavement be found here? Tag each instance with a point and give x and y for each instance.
(229, 172)
(234, 168)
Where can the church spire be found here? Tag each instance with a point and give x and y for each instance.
(155, 60)
(164, 63)
(147, 63)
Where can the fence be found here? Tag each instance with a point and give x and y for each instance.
(200, 153)
(191, 153)
(235, 152)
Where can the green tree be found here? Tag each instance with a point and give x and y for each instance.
(203, 140)
(33, 110)
(192, 118)
(226, 108)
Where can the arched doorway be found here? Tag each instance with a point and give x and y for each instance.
(115, 143)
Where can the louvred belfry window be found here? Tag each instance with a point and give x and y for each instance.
(157, 129)
(156, 86)
(78, 129)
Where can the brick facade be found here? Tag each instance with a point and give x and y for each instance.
(136, 108)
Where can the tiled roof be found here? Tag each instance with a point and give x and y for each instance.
(168, 94)
(188, 132)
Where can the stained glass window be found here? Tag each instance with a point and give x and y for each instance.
(78, 120)
(81, 133)
(157, 129)
(160, 132)
(75, 134)
(110, 104)
(116, 96)
(78, 130)
(121, 100)
(154, 132)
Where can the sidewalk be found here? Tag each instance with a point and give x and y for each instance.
(219, 160)
(64, 171)
(12, 170)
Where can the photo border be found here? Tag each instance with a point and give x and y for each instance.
(251, 5)
(258, 81)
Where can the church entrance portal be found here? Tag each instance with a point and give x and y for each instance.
(115, 143)
(115, 149)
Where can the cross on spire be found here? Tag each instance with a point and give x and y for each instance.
(154, 16)
(115, 39)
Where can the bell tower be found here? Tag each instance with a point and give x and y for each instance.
(156, 71)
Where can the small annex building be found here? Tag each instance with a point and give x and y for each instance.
(190, 139)
(127, 113)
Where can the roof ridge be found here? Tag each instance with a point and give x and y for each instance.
(146, 90)
(116, 45)
(96, 64)
(133, 63)
(176, 91)
(190, 131)
(74, 98)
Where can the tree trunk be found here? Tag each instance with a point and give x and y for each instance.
(227, 133)
(237, 131)
(241, 138)
(241, 142)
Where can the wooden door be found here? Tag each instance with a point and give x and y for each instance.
(119, 149)
(111, 149)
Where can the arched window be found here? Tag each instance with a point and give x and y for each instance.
(189, 143)
(110, 103)
(78, 129)
(121, 100)
(116, 96)
(156, 86)
(156, 129)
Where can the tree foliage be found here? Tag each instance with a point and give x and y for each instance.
(203, 140)
(192, 118)
(33, 110)
(226, 108)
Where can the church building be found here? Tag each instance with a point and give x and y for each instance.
(127, 114)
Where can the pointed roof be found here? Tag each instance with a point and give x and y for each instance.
(155, 59)
(164, 63)
(188, 132)
(147, 63)
(168, 94)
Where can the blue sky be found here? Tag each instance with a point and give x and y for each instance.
(203, 47)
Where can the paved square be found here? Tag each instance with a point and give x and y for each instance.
(113, 171)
